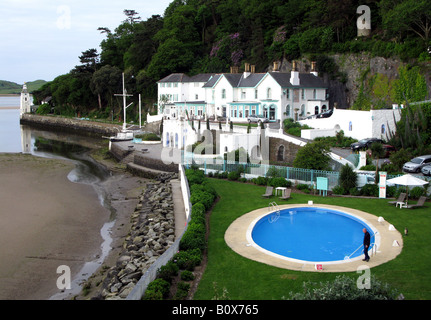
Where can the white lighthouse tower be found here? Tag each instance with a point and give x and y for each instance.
(25, 104)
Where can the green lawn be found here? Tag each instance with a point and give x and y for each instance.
(244, 279)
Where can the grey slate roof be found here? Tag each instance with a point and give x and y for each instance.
(181, 77)
(237, 80)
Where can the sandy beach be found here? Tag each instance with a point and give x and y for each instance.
(47, 221)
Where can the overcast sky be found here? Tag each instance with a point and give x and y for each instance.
(42, 39)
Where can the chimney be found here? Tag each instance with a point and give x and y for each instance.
(246, 70)
(313, 68)
(234, 69)
(294, 75)
(276, 64)
(253, 68)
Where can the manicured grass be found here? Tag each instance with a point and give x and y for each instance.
(246, 279)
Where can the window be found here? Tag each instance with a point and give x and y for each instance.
(350, 126)
(253, 110)
(243, 94)
(302, 110)
(302, 94)
(280, 153)
(383, 129)
(287, 110)
(268, 93)
(196, 97)
(316, 110)
(176, 85)
(314, 94)
(255, 94)
(223, 93)
(287, 94)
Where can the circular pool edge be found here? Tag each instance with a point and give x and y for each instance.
(238, 238)
(349, 215)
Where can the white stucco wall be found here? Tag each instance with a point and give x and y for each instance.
(358, 124)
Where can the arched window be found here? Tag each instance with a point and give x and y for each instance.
(324, 108)
(268, 93)
(383, 129)
(287, 110)
(302, 110)
(280, 153)
(316, 110)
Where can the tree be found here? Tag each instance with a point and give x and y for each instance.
(314, 155)
(407, 16)
(348, 178)
(105, 82)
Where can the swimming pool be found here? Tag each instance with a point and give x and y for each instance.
(310, 234)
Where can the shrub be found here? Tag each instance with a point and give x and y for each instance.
(303, 187)
(195, 176)
(198, 213)
(338, 190)
(187, 275)
(416, 192)
(188, 259)
(168, 271)
(194, 237)
(346, 288)
(182, 291)
(203, 197)
(370, 190)
(157, 290)
(233, 176)
(279, 182)
(261, 181)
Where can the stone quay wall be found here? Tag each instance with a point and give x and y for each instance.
(70, 124)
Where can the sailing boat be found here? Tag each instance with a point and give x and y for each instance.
(124, 135)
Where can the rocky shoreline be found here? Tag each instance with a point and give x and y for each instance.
(152, 232)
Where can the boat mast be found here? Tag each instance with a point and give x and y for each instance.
(124, 95)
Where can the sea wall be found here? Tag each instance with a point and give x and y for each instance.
(70, 124)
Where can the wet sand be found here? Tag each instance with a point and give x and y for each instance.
(47, 221)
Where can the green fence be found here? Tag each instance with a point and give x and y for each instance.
(254, 170)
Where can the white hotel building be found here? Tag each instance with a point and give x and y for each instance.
(274, 95)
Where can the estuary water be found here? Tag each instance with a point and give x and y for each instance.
(17, 138)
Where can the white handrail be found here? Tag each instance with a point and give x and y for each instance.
(276, 209)
(348, 257)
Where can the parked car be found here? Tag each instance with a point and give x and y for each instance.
(325, 114)
(388, 149)
(257, 118)
(426, 170)
(416, 164)
(364, 144)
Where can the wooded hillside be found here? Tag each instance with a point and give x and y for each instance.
(195, 36)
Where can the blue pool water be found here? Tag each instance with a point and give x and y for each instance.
(311, 234)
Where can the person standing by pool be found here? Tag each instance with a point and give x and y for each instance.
(366, 244)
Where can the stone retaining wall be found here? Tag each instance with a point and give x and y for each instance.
(152, 163)
(70, 124)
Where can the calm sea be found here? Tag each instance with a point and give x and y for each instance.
(10, 132)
